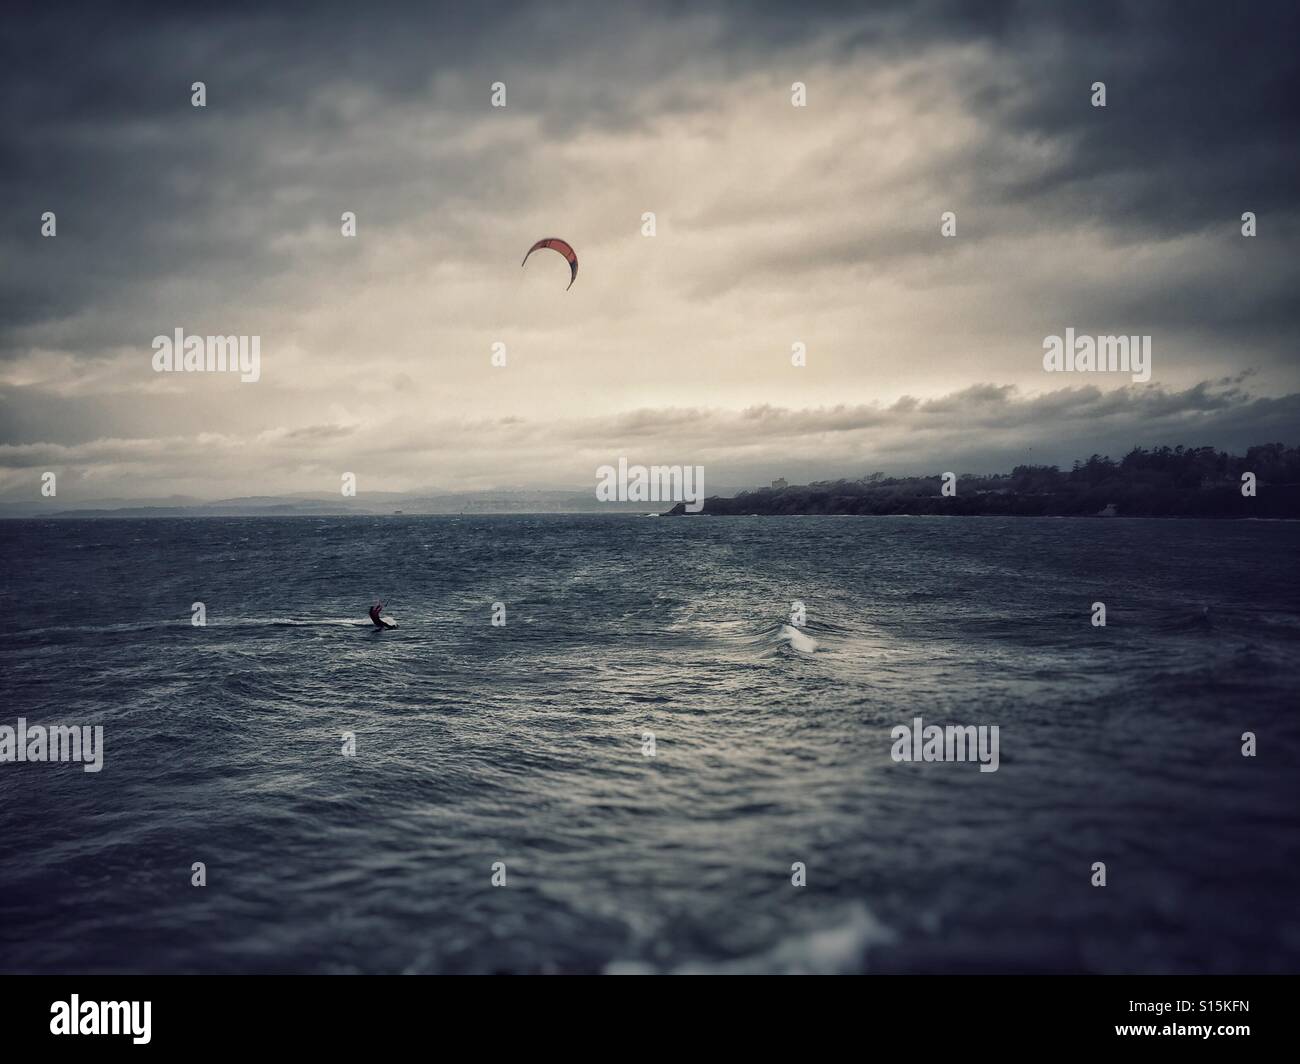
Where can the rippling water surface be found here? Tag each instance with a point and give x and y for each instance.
(523, 744)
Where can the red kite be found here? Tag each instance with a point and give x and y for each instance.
(564, 248)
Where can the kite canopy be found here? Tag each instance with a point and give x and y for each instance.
(564, 248)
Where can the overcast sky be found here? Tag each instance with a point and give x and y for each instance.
(775, 225)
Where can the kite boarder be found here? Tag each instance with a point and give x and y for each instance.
(375, 611)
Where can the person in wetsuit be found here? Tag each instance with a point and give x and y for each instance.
(374, 615)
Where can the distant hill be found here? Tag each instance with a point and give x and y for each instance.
(324, 505)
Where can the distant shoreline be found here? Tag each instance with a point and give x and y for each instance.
(146, 514)
(1162, 482)
(1046, 517)
(1280, 503)
(1264, 483)
(109, 515)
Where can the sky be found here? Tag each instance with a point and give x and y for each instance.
(774, 225)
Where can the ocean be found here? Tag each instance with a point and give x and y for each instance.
(648, 753)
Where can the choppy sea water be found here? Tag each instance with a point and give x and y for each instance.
(523, 744)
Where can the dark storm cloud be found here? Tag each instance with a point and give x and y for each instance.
(98, 126)
(1203, 106)
(225, 220)
(1201, 124)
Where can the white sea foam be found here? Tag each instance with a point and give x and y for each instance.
(840, 948)
(800, 641)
